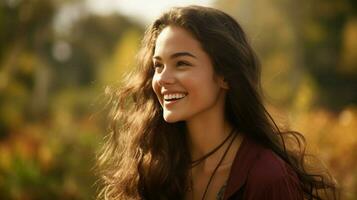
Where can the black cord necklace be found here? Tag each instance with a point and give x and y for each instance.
(219, 164)
(199, 160)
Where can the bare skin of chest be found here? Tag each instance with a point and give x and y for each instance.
(200, 176)
(200, 180)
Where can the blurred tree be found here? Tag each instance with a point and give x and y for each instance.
(47, 71)
(39, 61)
(322, 30)
(92, 40)
(25, 33)
(317, 38)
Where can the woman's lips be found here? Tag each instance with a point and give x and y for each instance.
(169, 102)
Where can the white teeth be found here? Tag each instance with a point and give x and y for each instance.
(174, 96)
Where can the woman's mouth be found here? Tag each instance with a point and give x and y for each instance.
(173, 97)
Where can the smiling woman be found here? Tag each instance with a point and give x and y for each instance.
(182, 68)
(193, 124)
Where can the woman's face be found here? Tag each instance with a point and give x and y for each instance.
(184, 80)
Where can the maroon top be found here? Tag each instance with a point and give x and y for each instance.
(257, 173)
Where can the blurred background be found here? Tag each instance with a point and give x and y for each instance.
(58, 57)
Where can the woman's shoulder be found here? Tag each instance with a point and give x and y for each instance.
(271, 177)
(269, 168)
(260, 173)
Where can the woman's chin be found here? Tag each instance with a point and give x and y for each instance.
(171, 118)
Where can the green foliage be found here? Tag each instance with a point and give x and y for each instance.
(298, 38)
(50, 96)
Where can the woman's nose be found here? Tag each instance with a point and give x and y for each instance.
(166, 77)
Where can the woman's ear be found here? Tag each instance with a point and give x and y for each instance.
(223, 82)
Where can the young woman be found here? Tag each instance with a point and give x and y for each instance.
(190, 123)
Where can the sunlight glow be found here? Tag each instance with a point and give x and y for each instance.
(140, 10)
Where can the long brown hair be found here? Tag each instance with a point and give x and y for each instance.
(146, 158)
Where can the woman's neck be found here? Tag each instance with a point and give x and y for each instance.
(206, 133)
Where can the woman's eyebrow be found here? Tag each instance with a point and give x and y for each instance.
(178, 54)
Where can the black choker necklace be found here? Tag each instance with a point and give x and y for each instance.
(198, 161)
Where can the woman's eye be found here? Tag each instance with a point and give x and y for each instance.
(183, 63)
(157, 65)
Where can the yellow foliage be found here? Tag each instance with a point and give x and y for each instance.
(333, 138)
(122, 58)
(349, 49)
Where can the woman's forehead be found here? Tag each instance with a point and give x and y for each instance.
(174, 39)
